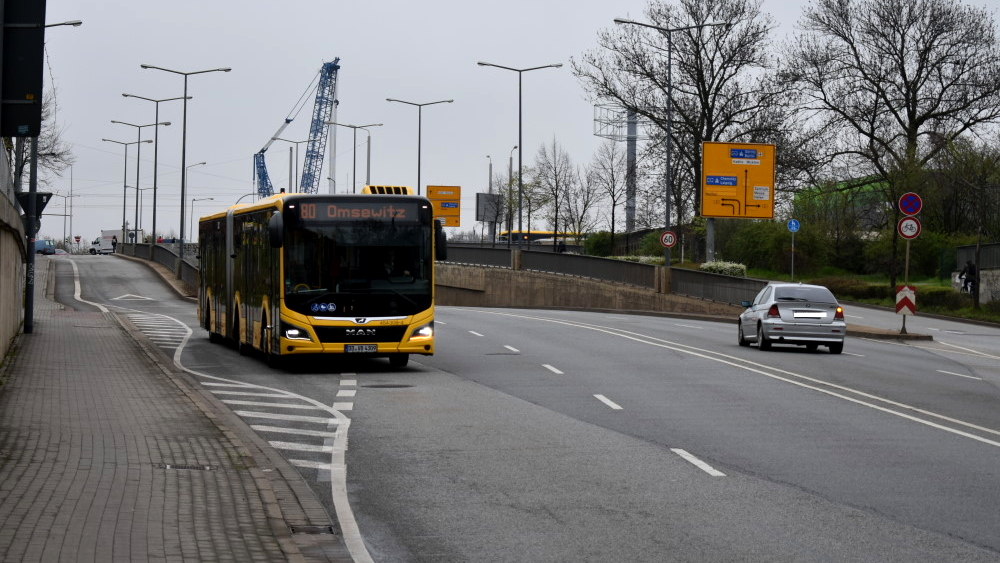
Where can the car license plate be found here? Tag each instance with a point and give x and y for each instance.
(360, 348)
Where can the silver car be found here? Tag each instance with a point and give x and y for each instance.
(793, 313)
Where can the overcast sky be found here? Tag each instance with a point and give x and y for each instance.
(416, 51)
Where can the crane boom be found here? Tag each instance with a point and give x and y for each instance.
(325, 94)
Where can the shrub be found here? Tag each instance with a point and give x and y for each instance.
(725, 268)
(598, 244)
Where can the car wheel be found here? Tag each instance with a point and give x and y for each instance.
(93, 252)
(742, 339)
(837, 348)
(762, 343)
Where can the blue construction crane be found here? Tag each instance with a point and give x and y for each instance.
(326, 94)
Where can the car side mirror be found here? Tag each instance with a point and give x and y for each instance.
(745, 303)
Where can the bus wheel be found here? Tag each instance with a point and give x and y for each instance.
(271, 359)
(399, 360)
(213, 337)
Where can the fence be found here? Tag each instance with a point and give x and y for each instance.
(692, 283)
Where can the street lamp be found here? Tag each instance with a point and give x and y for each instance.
(192, 201)
(125, 177)
(156, 148)
(520, 141)
(668, 32)
(296, 143)
(138, 156)
(192, 207)
(354, 172)
(420, 109)
(184, 142)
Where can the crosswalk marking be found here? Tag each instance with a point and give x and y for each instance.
(276, 405)
(288, 417)
(296, 431)
(300, 447)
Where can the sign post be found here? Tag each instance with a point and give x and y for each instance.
(793, 227)
(909, 228)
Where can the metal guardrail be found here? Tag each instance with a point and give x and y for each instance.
(714, 287)
(692, 283)
(168, 255)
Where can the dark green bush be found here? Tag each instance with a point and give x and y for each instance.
(598, 244)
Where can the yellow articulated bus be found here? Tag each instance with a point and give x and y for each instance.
(322, 274)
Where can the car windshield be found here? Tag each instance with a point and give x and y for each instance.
(803, 293)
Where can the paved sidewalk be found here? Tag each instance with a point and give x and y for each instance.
(108, 455)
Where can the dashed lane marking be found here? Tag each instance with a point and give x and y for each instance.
(698, 463)
(608, 402)
(552, 369)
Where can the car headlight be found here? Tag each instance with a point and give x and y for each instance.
(292, 332)
(425, 332)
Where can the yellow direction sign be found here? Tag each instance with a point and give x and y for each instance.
(447, 203)
(737, 180)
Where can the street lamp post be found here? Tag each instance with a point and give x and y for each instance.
(192, 201)
(296, 143)
(192, 208)
(668, 32)
(138, 160)
(125, 177)
(420, 109)
(354, 159)
(156, 149)
(520, 141)
(184, 143)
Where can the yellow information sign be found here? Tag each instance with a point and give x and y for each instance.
(447, 204)
(737, 180)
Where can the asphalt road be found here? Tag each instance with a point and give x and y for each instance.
(572, 436)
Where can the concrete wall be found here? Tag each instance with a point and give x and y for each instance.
(12, 258)
(483, 286)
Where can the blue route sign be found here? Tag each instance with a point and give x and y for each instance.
(743, 153)
(720, 180)
(793, 225)
(910, 203)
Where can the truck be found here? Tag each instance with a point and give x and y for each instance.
(102, 244)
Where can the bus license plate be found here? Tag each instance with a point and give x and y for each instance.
(360, 348)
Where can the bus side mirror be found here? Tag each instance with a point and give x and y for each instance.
(440, 242)
(276, 230)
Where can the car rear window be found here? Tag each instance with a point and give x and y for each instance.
(804, 293)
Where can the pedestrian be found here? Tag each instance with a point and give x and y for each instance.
(969, 276)
(114, 244)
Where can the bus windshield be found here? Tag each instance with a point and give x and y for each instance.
(366, 268)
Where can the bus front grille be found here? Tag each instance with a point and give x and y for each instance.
(360, 333)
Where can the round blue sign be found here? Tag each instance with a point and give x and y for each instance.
(793, 225)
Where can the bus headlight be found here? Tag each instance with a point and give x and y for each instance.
(425, 332)
(292, 332)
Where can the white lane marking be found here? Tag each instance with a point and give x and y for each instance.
(343, 406)
(287, 417)
(817, 385)
(295, 431)
(250, 394)
(276, 405)
(347, 392)
(349, 382)
(300, 447)
(852, 354)
(971, 351)
(321, 465)
(853, 316)
(698, 463)
(608, 402)
(475, 333)
(688, 326)
(76, 289)
(214, 384)
(513, 349)
(960, 375)
(552, 369)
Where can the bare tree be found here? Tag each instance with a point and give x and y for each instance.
(580, 204)
(54, 154)
(720, 88)
(555, 175)
(892, 83)
(608, 173)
